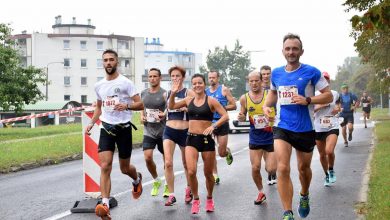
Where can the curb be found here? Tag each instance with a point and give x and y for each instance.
(360, 206)
(47, 162)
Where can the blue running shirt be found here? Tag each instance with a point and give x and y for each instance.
(217, 94)
(304, 81)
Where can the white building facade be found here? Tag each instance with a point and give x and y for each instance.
(72, 58)
(157, 57)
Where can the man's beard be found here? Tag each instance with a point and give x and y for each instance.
(113, 70)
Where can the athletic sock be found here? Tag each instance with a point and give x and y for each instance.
(330, 168)
(135, 182)
(106, 201)
(209, 197)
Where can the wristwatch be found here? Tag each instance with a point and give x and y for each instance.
(308, 100)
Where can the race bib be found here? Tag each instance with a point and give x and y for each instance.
(365, 105)
(176, 110)
(152, 115)
(260, 121)
(326, 121)
(110, 103)
(286, 93)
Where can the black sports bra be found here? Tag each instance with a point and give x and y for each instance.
(202, 112)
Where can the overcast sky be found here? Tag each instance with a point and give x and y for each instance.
(200, 25)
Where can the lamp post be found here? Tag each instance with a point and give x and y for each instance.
(47, 78)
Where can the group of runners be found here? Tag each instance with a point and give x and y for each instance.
(284, 112)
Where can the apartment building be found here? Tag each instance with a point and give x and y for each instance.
(72, 58)
(157, 57)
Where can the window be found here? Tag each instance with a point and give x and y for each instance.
(126, 63)
(122, 44)
(22, 42)
(146, 71)
(83, 45)
(99, 78)
(189, 59)
(169, 58)
(67, 80)
(66, 44)
(83, 63)
(84, 99)
(99, 63)
(66, 62)
(66, 97)
(99, 45)
(83, 81)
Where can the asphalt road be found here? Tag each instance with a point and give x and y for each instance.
(49, 192)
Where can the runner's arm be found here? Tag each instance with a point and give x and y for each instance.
(96, 114)
(217, 107)
(242, 115)
(137, 103)
(231, 105)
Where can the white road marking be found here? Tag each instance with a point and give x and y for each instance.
(68, 212)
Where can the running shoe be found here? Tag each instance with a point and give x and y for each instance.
(137, 188)
(350, 137)
(327, 182)
(209, 205)
(166, 191)
(332, 176)
(260, 199)
(216, 179)
(170, 201)
(288, 215)
(269, 182)
(346, 144)
(304, 206)
(156, 187)
(229, 157)
(188, 196)
(195, 206)
(103, 211)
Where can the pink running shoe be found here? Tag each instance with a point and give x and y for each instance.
(189, 196)
(195, 206)
(209, 205)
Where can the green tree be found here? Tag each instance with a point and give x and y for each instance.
(233, 66)
(371, 31)
(19, 85)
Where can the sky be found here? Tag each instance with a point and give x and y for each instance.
(201, 25)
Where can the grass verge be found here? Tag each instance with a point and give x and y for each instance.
(47, 146)
(378, 206)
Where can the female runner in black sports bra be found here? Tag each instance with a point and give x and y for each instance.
(200, 110)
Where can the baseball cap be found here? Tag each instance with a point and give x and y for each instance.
(326, 75)
(344, 85)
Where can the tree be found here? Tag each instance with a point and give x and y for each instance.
(233, 66)
(19, 85)
(371, 31)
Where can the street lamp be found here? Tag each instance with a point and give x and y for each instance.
(47, 78)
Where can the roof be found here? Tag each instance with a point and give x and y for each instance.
(49, 106)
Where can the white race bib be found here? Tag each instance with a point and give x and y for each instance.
(152, 115)
(326, 121)
(260, 121)
(110, 103)
(286, 93)
(365, 105)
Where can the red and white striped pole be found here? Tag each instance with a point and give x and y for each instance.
(91, 163)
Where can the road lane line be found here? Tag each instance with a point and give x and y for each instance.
(177, 173)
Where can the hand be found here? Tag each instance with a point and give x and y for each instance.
(267, 112)
(175, 86)
(120, 107)
(208, 130)
(298, 99)
(183, 109)
(143, 119)
(241, 117)
(161, 115)
(88, 129)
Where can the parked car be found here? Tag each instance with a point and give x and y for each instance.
(235, 125)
